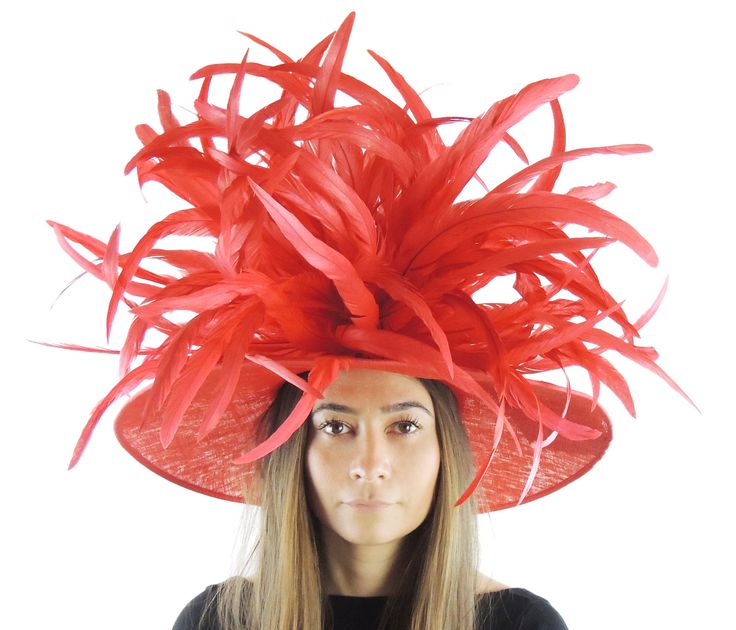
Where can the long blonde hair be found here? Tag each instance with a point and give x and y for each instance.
(437, 588)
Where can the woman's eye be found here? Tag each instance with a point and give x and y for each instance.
(334, 427)
(407, 426)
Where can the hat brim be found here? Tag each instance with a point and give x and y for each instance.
(205, 465)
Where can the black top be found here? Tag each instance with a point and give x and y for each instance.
(509, 609)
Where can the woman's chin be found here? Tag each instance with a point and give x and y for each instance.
(369, 532)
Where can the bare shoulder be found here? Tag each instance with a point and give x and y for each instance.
(485, 584)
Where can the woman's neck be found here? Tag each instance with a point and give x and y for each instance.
(359, 570)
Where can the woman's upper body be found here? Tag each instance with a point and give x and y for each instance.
(500, 608)
(359, 522)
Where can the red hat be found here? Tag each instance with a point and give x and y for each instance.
(336, 237)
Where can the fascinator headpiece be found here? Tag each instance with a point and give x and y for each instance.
(336, 236)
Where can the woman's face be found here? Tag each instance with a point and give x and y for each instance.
(373, 456)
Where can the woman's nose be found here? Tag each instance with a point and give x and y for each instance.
(371, 461)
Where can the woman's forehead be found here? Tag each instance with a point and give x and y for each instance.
(386, 392)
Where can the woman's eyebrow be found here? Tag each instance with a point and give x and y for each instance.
(408, 404)
(333, 407)
(400, 406)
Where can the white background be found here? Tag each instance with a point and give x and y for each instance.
(644, 541)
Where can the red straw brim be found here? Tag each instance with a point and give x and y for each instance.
(205, 465)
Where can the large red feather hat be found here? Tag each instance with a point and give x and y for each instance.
(336, 237)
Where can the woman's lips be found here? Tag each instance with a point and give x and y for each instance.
(368, 506)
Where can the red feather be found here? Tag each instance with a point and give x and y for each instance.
(401, 291)
(284, 58)
(324, 372)
(232, 362)
(124, 386)
(186, 387)
(553, 163)
(358, 300)
(325, 85)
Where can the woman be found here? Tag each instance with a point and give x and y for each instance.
(346, 271)
(369, 525)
